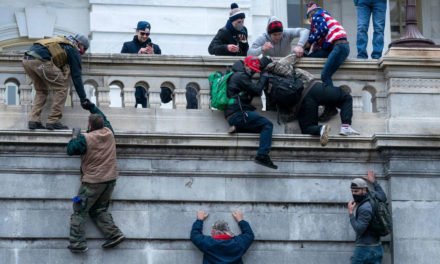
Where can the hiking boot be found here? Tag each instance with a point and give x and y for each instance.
(329, 112)
(265, 161)
(77, 249)
(347, 130)
(57, 125)
(113, 242)
(35, 125)
(232, 129)
(325, 129)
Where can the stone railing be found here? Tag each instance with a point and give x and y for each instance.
(383, 88)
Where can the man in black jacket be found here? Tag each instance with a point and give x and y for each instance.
(231, 40)
(49, 63)
(368, 246)
(222, 246)
(241, 115)
(141, 42)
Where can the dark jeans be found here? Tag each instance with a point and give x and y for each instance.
(335, 58)
(95, 202)
(366, 9)
(321, 94)
(254, 123)
(367, 255)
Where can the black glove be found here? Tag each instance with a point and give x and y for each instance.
(87, 105)
(264, 61)
(75, 132)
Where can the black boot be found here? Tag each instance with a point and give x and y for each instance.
(57, 125)
(265, 161)
(35, 125)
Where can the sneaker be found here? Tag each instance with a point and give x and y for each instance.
(232, 129)
(265, 161)
(57, 125)
(113, 242)
(329, 112)
(347, 131)
(35, 125)
(325, 129)
(77, 249)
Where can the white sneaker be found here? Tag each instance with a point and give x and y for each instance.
(347, 131)
(325, 129)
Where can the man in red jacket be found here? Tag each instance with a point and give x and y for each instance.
(222, 246)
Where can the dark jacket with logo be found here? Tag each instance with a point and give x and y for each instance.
(224, 37)
(227, 251)
(134, 46)
(240, 86)
(361, 219)
(73, 60)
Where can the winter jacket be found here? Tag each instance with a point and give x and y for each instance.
(229, 251)
(361, 219)
(134, 46)
(325, 30)
(241, 88)
(98, 152)
(73, 60)
(224, 37)
(282, 48)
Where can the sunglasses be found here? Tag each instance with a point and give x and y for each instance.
(144, 33)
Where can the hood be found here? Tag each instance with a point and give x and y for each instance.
(272, 19)
(238, 66)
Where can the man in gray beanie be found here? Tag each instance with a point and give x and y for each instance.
(222, 246)
(49, 63)
(368, 246)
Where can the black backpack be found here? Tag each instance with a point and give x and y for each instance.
(382, 223)
(286, 91)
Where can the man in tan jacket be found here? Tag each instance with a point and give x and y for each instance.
(98, 179)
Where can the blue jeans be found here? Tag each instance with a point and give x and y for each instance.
(252, 122)
(366, 8)
(335, 58)
(367, 255)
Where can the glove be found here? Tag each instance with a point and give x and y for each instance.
(75, 132)
(87, 105)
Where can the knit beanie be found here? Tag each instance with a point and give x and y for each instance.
(274, 27)
(235, 13)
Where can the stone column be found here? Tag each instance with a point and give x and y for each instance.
(205, 97)
(103, 96)
(180, 98)
(2, 95)
(25, 94)
(154, 100)
(129, 99)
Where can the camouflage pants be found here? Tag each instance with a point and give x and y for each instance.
(95, 200)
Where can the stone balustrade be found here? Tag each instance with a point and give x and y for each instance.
(381, 90)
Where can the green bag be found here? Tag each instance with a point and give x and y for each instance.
(218, 83)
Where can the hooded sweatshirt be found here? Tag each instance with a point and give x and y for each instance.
(282, 48)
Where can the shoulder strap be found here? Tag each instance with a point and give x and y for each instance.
(59, 56)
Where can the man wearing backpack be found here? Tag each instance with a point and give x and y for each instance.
(368, 246)
(241, 115)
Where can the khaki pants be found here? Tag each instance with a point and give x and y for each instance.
(46, 78)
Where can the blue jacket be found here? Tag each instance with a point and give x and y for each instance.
(134, 46)
(222, 251)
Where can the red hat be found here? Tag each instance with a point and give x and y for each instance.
(274, 27)
(253, 63)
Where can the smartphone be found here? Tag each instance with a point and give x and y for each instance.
(150, 44)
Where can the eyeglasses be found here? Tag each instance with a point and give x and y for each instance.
(144, 33)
